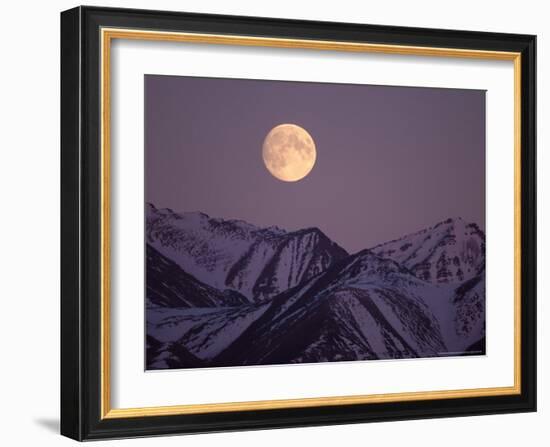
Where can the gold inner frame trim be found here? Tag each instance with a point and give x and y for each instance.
(107, 35)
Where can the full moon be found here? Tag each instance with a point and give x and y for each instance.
(289, 152)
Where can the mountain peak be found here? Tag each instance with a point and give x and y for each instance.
(230, 253)
(450, 251)
(310, 230)
(451, 221)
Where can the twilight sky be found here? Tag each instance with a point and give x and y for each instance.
(390, 160)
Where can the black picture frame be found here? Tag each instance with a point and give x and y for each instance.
(81, 393)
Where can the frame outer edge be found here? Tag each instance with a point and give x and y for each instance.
(71, 336)
(529, 264)
(80, 401)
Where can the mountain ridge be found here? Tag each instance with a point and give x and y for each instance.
(298, 297)
(256, 262)
(450, 251)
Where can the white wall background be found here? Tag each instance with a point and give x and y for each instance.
(29, 223)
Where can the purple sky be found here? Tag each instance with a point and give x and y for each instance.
(390, 160)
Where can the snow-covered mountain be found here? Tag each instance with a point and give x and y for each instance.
(231, 254)
(187, 337)
(292, 297)
(469, 302)
(169, 286)
(450, 252)
(362, 308)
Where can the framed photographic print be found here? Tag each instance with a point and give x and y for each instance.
(276, 223)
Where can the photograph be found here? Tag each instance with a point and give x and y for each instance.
(296, 222)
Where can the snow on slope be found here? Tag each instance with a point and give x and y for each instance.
(450, 252)
(230, 254)
(169, 286)
(364, 307)
(419, 296)
(204, 333)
